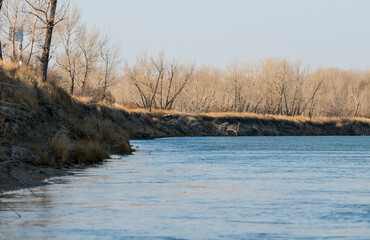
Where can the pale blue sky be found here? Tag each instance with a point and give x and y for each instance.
(327, 33)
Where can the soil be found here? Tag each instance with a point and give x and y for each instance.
(18, 170)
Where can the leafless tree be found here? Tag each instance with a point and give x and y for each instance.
(1, 50)
(271, 86)
(46, 12)
(358, 88)
(34, 33)
(146, 76)
(175, 79)
(159, 82)
(200, 95)
(70, 57)
(90, 44)
(110, 65)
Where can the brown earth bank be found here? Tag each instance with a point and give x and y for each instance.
(45, 132)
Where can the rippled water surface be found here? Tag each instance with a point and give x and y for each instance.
(207, 188)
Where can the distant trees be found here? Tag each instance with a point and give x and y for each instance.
(89, 45)
(110, 63)
(200, 95)
(272, 86)
(88, 65)
(158, 82)
(172, 84)
(358, 93)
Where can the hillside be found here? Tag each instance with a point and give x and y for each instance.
(44, 131)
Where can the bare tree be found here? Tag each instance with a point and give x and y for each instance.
(358, 88)
(310, 91)
(201, 94)
(175, 79)
(34, 34)
(146, 76)
(110, 64)
(1, 50)
(90, 44)
(68, 60)
(46, 12)
(238, 85)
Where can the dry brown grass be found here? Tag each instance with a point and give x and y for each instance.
(296, 119)
(88, 152)
(17, 92)
(84, 100)
(86, 136)
(142, 110)
(58, 149)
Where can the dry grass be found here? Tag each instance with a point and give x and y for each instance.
(84, 100)
(57, 150)
(296, 119)
(40, 110)
(17, 92)
(143, 110)
(88, 152)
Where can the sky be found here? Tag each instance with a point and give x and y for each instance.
(320, 33)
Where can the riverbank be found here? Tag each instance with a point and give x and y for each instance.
(45, 132)
(157, 125)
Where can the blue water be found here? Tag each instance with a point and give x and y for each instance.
(207, 188)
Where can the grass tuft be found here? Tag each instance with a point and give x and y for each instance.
(88, 152)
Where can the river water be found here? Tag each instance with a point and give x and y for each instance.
(206, 188)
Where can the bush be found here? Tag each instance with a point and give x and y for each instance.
(89, 152)
(56, 152)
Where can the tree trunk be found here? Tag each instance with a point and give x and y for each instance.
(71, 90)
(49, 32)
(1, 50)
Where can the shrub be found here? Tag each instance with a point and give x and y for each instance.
(89, 152)
(56, 151)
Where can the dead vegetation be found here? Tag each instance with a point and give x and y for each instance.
(267, 87)
(57, 128)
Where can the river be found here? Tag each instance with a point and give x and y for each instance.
(206, 188)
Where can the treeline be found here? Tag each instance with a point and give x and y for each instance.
(88, 65)
(273, 86)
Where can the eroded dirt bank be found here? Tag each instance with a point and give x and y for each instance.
(169, 125)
